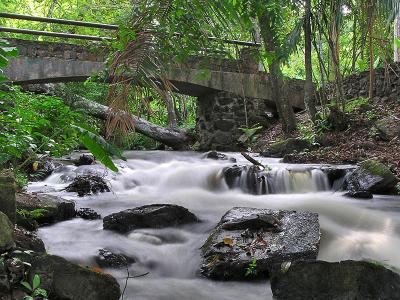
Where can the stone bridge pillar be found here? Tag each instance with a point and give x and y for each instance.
(220, 115)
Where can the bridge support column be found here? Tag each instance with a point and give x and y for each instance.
(220, 116)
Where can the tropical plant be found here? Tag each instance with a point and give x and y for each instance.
(34, 289)
(6, 51)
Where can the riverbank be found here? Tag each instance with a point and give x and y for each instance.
(361, 139)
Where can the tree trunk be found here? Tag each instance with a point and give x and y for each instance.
(354, 47)
(172, 119)
(309, 99)
(371, 13)
(176, 139)
(397, 36)
(284, 109)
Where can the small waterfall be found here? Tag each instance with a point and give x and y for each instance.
(276, 181)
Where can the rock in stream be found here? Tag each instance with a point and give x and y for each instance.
(149, 216)
(320, 280)
(266, 237)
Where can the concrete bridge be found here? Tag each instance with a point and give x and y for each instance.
(229, 87)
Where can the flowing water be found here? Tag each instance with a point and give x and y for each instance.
(351, 229)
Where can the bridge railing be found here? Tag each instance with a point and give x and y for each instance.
(85, 24)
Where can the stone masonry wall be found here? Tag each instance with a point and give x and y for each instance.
(59, 50)
(357, 85)
(221, 114)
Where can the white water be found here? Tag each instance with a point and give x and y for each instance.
(351, 229)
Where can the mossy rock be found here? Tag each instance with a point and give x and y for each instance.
(7, 195)
(288, 146)
(372, 176)
(6, 233)
(65, 280)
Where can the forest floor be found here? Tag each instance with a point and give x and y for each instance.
(355, 144)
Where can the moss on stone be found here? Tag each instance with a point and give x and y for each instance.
(374, 167)
(6, 233)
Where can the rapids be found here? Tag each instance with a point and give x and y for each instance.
(351, 229)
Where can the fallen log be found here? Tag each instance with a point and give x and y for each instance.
(174, 138)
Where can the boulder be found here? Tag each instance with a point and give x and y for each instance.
(218, 156)
(88, 214)
(85, 159)
(45, 209)
(371, 176)
(248, 242)
(359, 194)
(7, 195)
(320, 280)
(108, 259)
(149, 216)
(388, 128)
(65, 280)
(28, 240)
(88, 184)
(6, 233)
(288, 146)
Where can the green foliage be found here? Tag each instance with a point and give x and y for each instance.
(308, 133)
(353, 105)
(5, 52)
(21, 179)
(251, 270)
(31, 214)
(250, 134)
(37, 122)
(34, 289)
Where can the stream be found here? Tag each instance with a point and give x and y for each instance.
(350, 229)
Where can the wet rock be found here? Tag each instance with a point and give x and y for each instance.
(288, 146)
(371, 176)
(268, 236)
(84, 160)
(7, 194)
(149, 216)
(388, 128)
(336, 172)
(28, 240)
(320, 280)
(6, 233)
(67, 281)
(26, 222)
(359, 194)
(108, 259)
(45, 209)
(232, 175)
(4, 283)
(88, 214)
(88, 184)
(42, 168)
(218, 156)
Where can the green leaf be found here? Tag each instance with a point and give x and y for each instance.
(109, 148)
(98, 147)
(3, 61)
(36, 282)
(40, 292)
(27, 285)
(98, 152)
(397, 42)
